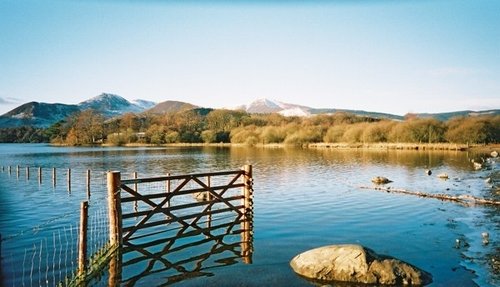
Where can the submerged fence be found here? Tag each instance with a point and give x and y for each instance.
(49, 252)
(156, 220)
(178, 226)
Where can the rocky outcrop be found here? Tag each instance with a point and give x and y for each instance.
(381, 180)
(355, 263)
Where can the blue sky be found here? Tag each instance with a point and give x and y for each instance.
(385, 56)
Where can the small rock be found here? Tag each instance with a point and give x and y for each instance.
(457, 243)
(428, 171)
(477, 166)
(486, 237)
(380, 180)
(494, 153)
(443, 175)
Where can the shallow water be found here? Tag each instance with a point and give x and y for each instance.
(302, 199)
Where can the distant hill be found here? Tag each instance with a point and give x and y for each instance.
(168, 107)
(358, 112)
(449, 115)
(143, 104)
(110, 105)
(266, 106)
(37, 114)
(44, 114)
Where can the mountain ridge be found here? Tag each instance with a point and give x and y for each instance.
(39, 114)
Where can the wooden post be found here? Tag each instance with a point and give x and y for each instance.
(40, 175)
(114, 208)
(17, 171)
(27, 173)
(115, 266)
(82, 238)
(135, 184)
(136, 205)
(209, 214)
(168, 183)
(10, 170)
(246, 235)
(53, 176)
(69, 179)
(88, 183)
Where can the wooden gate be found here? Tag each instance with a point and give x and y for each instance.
(180, 225)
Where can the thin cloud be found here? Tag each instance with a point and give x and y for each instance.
(9, 101)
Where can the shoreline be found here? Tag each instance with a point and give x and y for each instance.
(333, 146)
(340, 146)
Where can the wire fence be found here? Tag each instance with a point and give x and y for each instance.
(47, 255)
(42, 250)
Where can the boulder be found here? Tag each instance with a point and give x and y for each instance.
(381, 180)
(355, 263)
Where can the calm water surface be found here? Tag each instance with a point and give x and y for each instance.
(302, 199)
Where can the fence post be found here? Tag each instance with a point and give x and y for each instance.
(69, 179)
(88, 183)
(82, 238)
(115, 226)
(10, 170)
(54, 176)
(17, 171)
(40, 174)
(136, 204)
(114, 208)
(27, 172)
(246, 235)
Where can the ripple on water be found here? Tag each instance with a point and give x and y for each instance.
(302, 199)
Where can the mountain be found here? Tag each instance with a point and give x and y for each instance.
(376, 115)
(267, 106)
(37, 114)
(143, 104)
(110, 105)
(449, 115)
(168, 107)
(43, 114)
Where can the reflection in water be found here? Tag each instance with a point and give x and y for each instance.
(185, 257)
(304, 199)
(182, 227)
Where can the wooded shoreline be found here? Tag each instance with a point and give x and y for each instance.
(367, 146)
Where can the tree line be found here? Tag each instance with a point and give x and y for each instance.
(229, 126)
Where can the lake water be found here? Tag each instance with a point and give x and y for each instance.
(302, 199)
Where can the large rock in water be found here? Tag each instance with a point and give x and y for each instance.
(355, 263)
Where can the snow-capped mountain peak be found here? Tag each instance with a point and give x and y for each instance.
(110, 105)
(273, 106)
(144, 104)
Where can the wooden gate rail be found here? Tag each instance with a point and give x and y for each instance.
(181, 219)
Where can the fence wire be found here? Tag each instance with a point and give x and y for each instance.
(45, 254)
